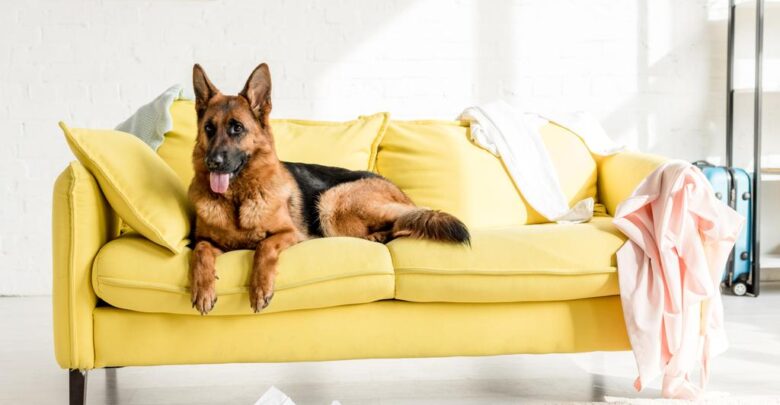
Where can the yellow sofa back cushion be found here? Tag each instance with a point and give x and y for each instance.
(576, 168)
(433, 161)
(140, 187)
(438, 166)
(351, 144)
(176, 149)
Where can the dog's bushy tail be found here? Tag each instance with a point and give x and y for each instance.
(423, 223)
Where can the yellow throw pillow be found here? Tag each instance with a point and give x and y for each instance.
(141, 188)
(352, 144)
(437, 165)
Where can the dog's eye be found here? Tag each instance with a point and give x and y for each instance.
(209, 129)
(236, 128)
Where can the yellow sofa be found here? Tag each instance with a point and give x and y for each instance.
(524, 286)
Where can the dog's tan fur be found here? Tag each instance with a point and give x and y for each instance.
(262, 208)
(344, 210)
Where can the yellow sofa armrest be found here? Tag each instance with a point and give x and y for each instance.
(621, 173)
(82, 222)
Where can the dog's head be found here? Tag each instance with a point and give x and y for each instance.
(231, 129)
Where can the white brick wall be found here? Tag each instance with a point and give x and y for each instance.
(651, 70)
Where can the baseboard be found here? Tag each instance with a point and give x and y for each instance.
(770, 274)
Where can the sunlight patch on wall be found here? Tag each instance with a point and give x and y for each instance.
(422, 53)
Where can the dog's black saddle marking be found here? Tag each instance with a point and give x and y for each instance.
(313, 180)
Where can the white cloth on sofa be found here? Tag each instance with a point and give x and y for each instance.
(152, 120)
(514, 137)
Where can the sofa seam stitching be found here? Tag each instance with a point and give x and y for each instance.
(498, 272)
(115, 282)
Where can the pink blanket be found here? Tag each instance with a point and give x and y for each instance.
(670, 269)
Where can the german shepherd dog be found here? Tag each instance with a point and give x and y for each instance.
(245, 198)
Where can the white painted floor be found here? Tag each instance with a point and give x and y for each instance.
(748, 373)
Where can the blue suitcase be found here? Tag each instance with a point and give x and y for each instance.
(733, 186)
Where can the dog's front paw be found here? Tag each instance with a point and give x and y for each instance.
(260, 297)
(204, 296)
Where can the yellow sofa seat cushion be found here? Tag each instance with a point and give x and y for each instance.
(140, 187)
(546, 262)
(436, 164)
(132, 273)
(350, 144)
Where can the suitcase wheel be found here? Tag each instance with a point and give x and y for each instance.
(739, 288)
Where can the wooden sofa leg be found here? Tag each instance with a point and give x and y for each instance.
(78, 386)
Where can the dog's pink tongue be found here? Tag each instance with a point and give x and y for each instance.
(219, 182)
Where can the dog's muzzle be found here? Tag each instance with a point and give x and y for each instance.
(223, 167)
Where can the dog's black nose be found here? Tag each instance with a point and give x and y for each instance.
(216, 160)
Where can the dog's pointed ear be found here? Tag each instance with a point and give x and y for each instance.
(258, 91)
(204, 89)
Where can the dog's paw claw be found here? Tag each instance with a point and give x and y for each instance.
(259, 301)
(267, 300)
(203, 300)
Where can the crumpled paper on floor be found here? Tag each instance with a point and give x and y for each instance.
(274, 396)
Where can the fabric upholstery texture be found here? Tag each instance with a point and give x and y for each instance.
(518, 263)
(522, 287)
(82, 222)
(621, 173)
(436, 164)
(386, 329)
(141, 188)
(176, 148)
(350, 144)
(132, 273)
(548, 262)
